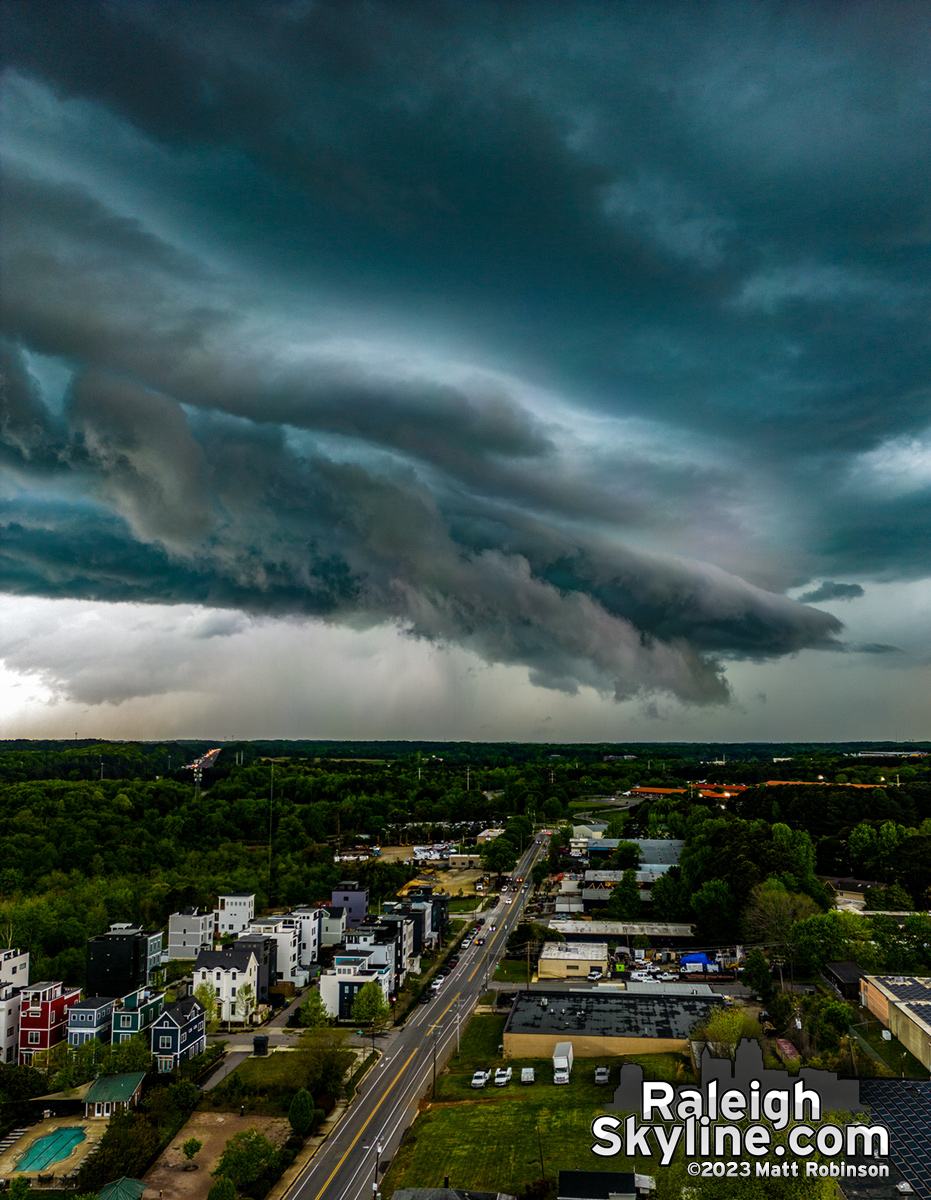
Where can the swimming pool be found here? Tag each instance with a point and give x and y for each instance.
(51, 1149)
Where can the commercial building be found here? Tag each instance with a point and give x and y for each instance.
(560, 960)
(600, 1023)
(661, 934)
(903, 1004)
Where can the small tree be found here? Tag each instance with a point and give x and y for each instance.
(206, 994)
(624, 903)
(301, 1113)
(757, 975)
(19, 1187)
(223, 1189)
(245, 1001)
(722, 1030)
(190, 1148)
(246, 1157)
(370, 1006)
(313, 1013)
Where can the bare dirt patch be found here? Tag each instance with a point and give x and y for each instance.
(397, 853)
(168, 1180)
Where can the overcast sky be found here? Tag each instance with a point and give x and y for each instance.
(479, 370)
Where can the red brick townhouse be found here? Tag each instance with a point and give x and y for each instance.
(44, 1017)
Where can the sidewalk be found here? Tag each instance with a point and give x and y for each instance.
(313, 1144)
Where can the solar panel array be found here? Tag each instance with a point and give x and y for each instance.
(905, 1106)
(905, 987)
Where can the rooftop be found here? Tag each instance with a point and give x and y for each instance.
(590, 950)
(607, 1014)
(93, 1003)
(904, 987)
(114, 1089)
(614, 929)
(847, 972)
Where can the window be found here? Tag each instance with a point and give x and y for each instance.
(164, 1043)
(33, 1038)
(126, 1022)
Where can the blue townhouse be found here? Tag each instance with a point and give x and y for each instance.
(178, 1033)
(90, 1018)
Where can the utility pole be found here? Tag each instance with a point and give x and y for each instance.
(271, 800)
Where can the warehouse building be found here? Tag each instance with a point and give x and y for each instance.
(602, 1023)
(559, 960)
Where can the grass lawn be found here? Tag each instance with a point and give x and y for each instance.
(491, 1139)
(287, 1070)
(480, 1041)
(267, 1084)
(893, 1053)
(466, 904)
(512, 971)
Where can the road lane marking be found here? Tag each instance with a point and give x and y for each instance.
(352, 1144)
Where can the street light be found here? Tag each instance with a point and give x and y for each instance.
(378, 1149)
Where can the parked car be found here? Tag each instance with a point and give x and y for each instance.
(502, 1076)
(453, 962)
(668, 977)
(595, 974)
(602, 1074)
(480, 1078)
(527, 1075)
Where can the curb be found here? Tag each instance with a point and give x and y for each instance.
(306, 1156)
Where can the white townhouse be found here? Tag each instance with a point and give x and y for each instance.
(233, 913)
(228, 971)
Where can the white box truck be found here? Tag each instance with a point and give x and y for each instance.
(562, 1062)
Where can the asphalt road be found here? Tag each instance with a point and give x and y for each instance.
(367, 1138)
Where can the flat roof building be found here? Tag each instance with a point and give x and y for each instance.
(903, 1004)
(599, 1023)
(559, 960)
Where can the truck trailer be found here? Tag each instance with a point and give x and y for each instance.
(562, 1062)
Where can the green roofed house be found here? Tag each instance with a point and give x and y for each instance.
(122, 1189)
(113, 1093)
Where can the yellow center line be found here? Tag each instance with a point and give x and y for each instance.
(445, 1011)
(362, 1130)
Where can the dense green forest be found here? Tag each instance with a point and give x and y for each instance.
(95, 832)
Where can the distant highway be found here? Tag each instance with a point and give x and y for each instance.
(347, 1166)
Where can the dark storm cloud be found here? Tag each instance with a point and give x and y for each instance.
(832, 591)
(322, 271)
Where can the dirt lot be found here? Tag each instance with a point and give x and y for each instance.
(168, 1180)
(397, 853)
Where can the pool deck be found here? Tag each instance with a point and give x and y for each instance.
(11, 1157)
